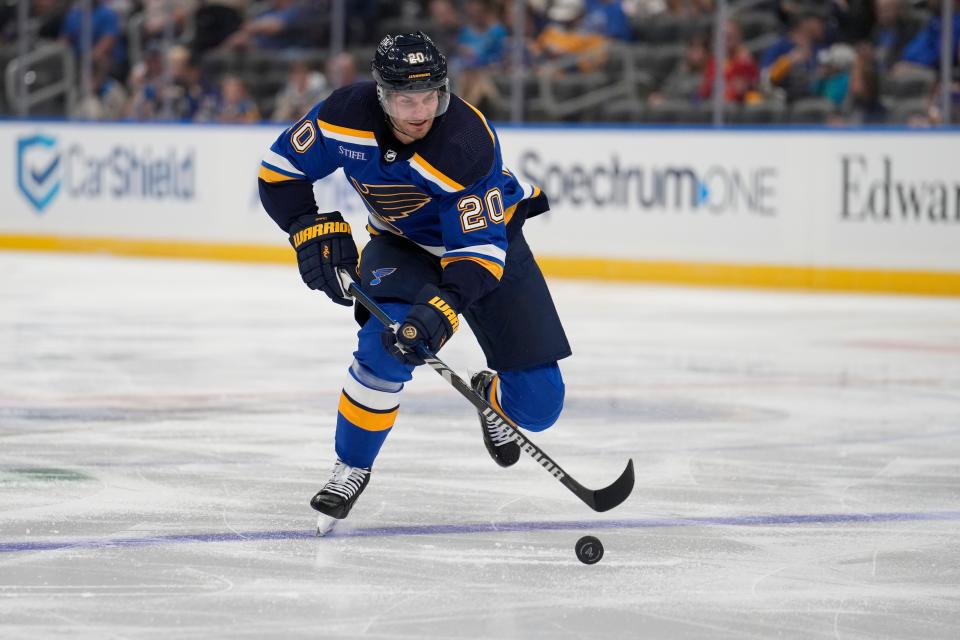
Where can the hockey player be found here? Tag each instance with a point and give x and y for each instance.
(446, 239)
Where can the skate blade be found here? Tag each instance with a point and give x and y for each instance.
(325, 525)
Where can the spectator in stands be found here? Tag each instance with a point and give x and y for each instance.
(235, 104)
(156, 16)
(608, 17)
(534, 23)
(108, 100)
(683, 82)
(481, 40)
(146, 86)
(341, 71)
(305, 87)
(214, 21)
(181, 98)
(444, 27)
(566, 41)
(277, 28)
(480, 48)
(741, 74)
(791, 62)
(108, 48)
(891, 33)
(865, 104)
(833, 73)
(189, 95)
(924, 49)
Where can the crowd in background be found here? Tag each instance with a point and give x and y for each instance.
(842, 53)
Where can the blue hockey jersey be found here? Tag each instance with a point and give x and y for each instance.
(449, 192)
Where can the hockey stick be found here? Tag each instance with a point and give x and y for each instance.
(598, 500)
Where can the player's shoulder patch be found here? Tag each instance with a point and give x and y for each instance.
(463, 149)
(349, 113)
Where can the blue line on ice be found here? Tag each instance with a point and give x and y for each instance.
(490, 527)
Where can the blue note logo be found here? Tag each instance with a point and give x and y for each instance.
(38, 170)
(380, 274)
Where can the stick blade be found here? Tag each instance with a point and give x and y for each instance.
(613, 495)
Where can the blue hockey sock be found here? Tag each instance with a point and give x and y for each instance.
(532, 398)
(371, 395)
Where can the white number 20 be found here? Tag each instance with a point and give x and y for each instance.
(472, 210)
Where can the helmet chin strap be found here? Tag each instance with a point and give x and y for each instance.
(393, 125)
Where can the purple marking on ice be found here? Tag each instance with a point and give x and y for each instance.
(489, 527)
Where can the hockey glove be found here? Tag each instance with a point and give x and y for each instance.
(324, 244)
(430, 323)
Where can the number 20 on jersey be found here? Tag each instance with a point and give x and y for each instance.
(474, 212)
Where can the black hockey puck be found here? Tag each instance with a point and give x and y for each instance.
(589, 550)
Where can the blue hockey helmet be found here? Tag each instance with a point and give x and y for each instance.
(407, 63)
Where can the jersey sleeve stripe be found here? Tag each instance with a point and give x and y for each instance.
(346, 134)
(431, 173)
(488, 251)
(529, 190)
(483, 120)
(491, 266)
(296, 175)
(270, 174)
(273, 160)
(376, 224)
(432, 250)
(508, 214)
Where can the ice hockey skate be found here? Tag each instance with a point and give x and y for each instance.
(338, 495)
(500, 443)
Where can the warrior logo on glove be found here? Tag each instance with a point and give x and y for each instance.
(324, 244)
(430, 322)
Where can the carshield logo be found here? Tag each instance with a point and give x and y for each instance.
(98, 169)
(38, 170)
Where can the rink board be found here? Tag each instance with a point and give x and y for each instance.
(869, 211)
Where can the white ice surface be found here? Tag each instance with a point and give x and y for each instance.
(163, 425)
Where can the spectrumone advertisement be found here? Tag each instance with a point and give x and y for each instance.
(804, 198)
(880, 200)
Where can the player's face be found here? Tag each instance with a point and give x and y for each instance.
(413, 111)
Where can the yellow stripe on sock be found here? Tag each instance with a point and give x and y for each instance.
(366, 419)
